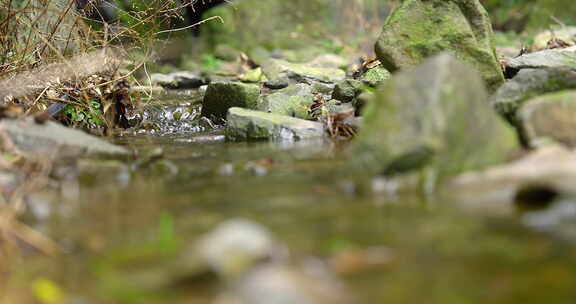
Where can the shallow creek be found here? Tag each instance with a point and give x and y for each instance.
(114, 224)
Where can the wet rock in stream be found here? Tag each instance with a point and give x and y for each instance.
(221, 96)
(243, 124)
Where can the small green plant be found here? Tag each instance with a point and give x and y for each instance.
(91, 116)
(210, 63)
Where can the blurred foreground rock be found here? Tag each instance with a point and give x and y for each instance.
(435, 115)
(551, 169)
(57, 141)
(256, 269)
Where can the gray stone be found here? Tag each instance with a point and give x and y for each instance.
(220, 96)
(418, 29)
(375, 76)
(246, 124)
(549, 118)
(178, 80)
(284, 72)
(56, 141)
(437, 116)
(294, 101)
(552, 58)
(529, 83)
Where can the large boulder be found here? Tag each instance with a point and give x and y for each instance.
(221, 96)
(420, 28)
(529, 83)
(243, 124)
(550, 117)
(436, 115)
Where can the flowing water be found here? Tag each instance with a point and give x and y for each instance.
(117, 223)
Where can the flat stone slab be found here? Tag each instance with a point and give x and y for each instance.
(246, 124)
(57, 141)
(552, 58)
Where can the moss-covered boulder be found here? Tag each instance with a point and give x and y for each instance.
(529, 83)
(294, 101)
(281, 73)
(420, 28)
(243, 124)
(220, 96)
(549, 118)
(436, 115)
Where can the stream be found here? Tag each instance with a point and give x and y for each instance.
(115, 222)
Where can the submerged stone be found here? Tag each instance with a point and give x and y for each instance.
(418, 29)
(436, 115)
(56, 141)
(220, 96)
(243, 124)
(294, 101)
(529, 83)
(549, 118)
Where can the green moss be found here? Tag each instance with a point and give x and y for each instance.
(220, 96)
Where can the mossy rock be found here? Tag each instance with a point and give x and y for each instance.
(220, 96)
(418, 29)
(347, 90)
(375, 76)
(294, 101)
